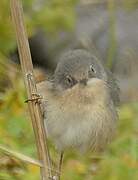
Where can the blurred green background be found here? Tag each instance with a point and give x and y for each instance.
(120, 160)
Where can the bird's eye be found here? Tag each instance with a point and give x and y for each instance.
(69, 79)
(92, 69)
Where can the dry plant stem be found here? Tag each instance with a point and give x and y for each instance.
(34, 106)
(22, 157)
(60, 164)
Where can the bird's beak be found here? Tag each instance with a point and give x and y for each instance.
(83, 82)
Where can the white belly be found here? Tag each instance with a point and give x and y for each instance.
(82, 129)
(80, 118)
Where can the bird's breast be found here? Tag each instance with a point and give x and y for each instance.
(81, 118)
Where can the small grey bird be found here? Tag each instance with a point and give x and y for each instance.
(79, 104)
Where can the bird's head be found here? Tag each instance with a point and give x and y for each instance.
(77, 66)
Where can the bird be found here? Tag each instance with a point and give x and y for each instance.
(79, 104)
(92, 30)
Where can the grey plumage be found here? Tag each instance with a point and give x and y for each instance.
(79, 105)
(70, 63)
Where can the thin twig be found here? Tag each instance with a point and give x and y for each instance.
(34, 106)
(22, 157)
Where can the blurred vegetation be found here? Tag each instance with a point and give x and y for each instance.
(119, 162)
